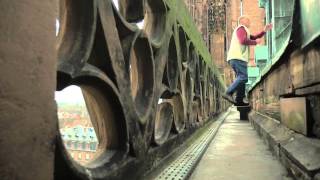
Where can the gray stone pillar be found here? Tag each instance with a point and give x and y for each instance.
(27, 84)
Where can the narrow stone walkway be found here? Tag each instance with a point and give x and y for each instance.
(238, 153)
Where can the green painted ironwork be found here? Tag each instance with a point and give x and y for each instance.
(310, 20)
(262, 3)
(280, 14)
(261, 56)
(253, 74)
(261, 52)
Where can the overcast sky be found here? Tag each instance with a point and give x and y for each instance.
(139, 24)
(71, 94)
(116, 3)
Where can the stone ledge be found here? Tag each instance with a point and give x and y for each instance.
(299, 154)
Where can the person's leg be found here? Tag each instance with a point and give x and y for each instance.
(231, 89)
(243, 79)
(237, 66)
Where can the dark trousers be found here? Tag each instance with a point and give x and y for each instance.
(239, 85)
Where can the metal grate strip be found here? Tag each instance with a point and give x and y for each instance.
(181, 168)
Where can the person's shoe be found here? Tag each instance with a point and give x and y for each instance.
(241, 104)
(245, 100)
(228, 97)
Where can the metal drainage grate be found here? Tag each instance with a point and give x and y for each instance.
(182, 167)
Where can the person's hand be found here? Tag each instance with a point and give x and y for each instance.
(268, 27)
(259, 41)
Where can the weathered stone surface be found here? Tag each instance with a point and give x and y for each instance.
(27, 85)
(271, 131)
(237, 152)
(294, 114)
(314, 101)
(295, 74)
(301, 155)
(292, 167)
(317, 176)
(305, 151)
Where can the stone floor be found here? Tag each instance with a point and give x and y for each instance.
(237, 153)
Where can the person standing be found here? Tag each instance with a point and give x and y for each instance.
(238, 56)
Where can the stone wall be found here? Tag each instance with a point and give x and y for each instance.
(27, 85)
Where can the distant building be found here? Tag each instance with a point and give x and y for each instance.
(81, 142)
(210, 18)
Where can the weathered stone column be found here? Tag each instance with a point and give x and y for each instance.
(27, 84)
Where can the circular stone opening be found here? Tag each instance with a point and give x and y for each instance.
(199, 110)
(208, 108)
(163, 122)
(141, 71)
(211, 98)
(188, 87)
(57, 27)
(87, 124)
(133, 11)
(197, 82)
(208, 83)
(201, 65)
(75, 125)
(75, 28)
(179, 113)
(193, 114)
(191, 53)
(172, 65)
(155, 19)
(183, 45)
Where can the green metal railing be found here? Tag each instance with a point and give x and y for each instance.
(280, 14)
(300, 16)
(310, 20)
